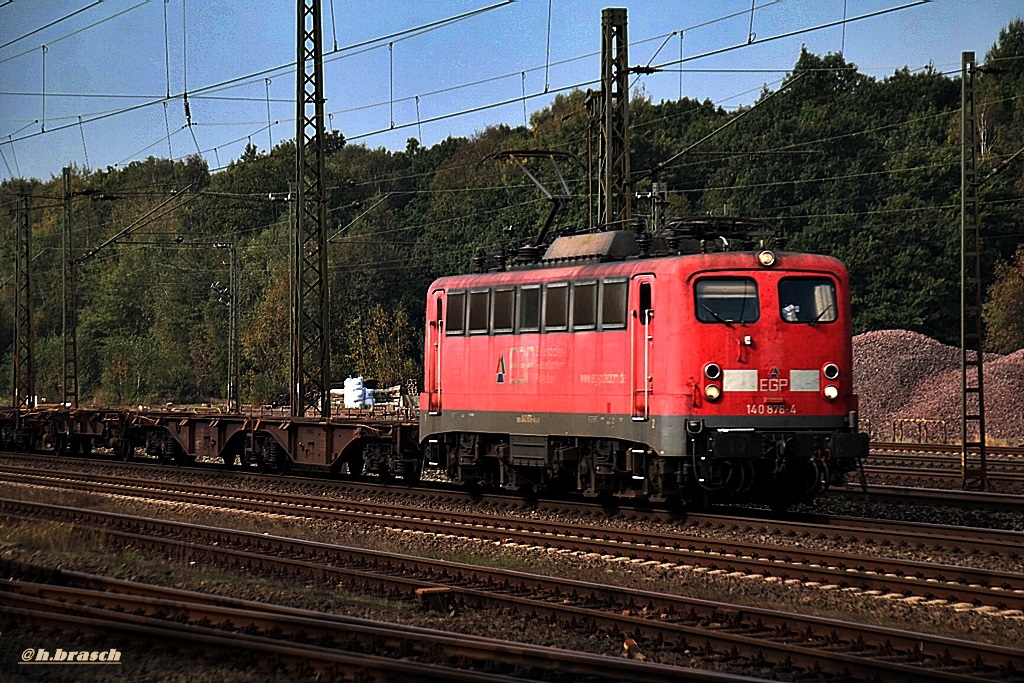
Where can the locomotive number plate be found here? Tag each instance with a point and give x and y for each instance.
(769, 409)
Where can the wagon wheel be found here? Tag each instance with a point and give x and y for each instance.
(413, 473)
(54, 438)
(172, 452)
(82, 445)
(281, 463)
(59, 443)
(123, 449)
(355, 464)
(272, 458)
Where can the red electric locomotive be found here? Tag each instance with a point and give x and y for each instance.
(703, 377)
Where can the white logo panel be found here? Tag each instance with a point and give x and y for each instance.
(739, 380)
(804, 380)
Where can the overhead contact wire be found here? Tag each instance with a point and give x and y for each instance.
(52, 23)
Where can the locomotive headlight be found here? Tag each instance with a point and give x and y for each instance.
(712, 371)
(766, 258)
(712, 392)
(831, 371)
(831, 392)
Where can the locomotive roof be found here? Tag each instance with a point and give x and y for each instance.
(676, 264)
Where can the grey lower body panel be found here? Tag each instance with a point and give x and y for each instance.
(667, 435)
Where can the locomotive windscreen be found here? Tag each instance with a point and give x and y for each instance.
(727, 300)
(807, 300)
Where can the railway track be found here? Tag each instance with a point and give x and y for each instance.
(932, 497)
(332, 646)
(942, 448)
(661, 623)
(942, 461)
(950, 475)
(337, 501)
(332, 494)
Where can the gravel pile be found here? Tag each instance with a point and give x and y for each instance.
(902, 375)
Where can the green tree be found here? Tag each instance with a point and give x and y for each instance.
(1004, 308)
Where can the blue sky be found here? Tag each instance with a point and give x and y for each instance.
(114, 55)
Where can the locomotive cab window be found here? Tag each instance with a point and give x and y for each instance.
(503, 310)
(807, 300)
(455, 323)
(556, 307)
(478, 318)
(727, 300)
(613, 304)
(529, 309)
(584, 306)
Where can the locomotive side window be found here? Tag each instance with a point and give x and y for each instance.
(478, 317)
(456, 322)
(807, 300)
(529, 308)
(584, 306)
(613, 304)
(503, 313)
(727, 300)
(556, 307)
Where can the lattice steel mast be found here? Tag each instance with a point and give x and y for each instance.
(311, 364)
(972, 385)
(69, 329)
(234, 331)
(615, 186)
(24, 356)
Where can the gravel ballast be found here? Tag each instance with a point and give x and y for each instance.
(903, 375)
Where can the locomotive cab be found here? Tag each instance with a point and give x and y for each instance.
(772, 367)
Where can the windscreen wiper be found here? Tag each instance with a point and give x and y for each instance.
(716, 316)
(823, 312)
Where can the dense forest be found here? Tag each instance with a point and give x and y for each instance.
(865, 169)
